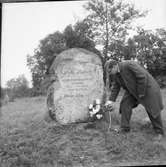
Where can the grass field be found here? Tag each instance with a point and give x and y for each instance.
(26, 140)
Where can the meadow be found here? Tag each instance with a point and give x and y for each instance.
(27, 140)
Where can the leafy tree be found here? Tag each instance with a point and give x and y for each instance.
(18, 87)
(43, 56)
(151, 49)
(78, 36)
(148, 47)
(117, 50)
(110, 21)
(72, 36)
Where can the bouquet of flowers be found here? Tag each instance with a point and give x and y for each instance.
(96, 110)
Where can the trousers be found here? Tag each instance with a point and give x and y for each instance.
(129, 102)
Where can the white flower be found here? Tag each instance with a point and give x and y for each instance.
(97, 101)
(99, 116)
(96, 109)
(90, 106)
(91, 113)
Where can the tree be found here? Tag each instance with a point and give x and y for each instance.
(110, 21)
(43, 56)
(78, 36)
(72, 36)
(18, 87)
(151, 50)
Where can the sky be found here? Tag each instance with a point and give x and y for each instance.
(25, 24)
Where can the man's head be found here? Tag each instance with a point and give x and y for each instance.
(111, 66)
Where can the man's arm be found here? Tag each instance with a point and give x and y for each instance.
(114, 91)
(141, 78)
(110, 103)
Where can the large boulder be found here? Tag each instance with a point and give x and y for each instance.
(77, 80)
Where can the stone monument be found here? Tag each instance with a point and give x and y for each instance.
(78, 81)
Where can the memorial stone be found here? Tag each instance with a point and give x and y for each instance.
(78, 82)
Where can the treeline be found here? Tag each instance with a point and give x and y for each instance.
(15, 88)
(107, 25)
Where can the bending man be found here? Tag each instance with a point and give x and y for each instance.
(140, 88)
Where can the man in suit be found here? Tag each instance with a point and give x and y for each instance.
(140, 88)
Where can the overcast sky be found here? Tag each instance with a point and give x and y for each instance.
(25, 24)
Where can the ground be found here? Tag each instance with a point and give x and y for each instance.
(26, 140)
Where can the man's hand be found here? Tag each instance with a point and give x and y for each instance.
(110, 105)
(140, 96)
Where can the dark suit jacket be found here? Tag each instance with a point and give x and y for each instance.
(139, 82)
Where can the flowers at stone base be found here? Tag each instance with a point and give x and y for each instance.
(99, 116)
(95, 109)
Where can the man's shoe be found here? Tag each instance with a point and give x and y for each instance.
(122, 130)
